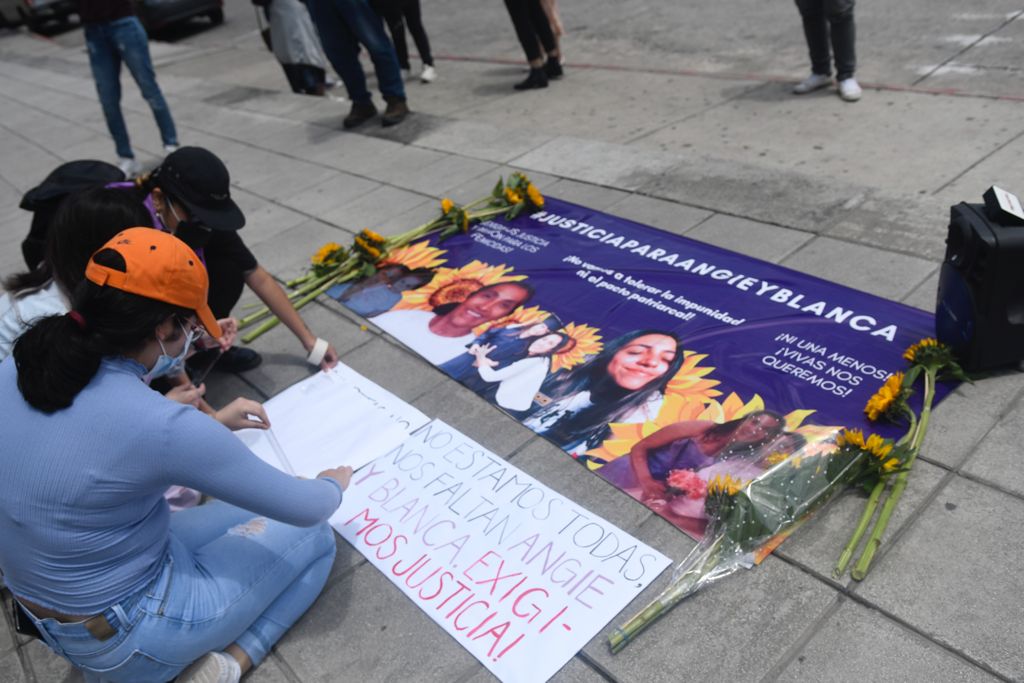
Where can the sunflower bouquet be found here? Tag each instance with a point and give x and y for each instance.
(334, 263)
(747, 518)
(929, 361)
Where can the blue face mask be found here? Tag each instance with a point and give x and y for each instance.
(170, 365)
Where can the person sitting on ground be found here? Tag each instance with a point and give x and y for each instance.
(189, 195)
(113, 582)
(83, 224)
(44, 199)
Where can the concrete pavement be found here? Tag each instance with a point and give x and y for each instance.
(675, 116)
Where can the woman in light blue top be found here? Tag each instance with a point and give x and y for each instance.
(113, 581)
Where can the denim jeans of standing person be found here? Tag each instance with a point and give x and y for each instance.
(124, 40)
(229, 576)
(825, 22)
(343, 25)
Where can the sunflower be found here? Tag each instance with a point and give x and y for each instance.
(536, 198)
(446, 206)
(888, 397)
(587, 343)
(413, 256)
(914, 353)
(455, 283)
(366, 248)
(327, 254)
(512, 196)
(725, 485)
(374, 238)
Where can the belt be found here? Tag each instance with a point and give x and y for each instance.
(98, 626)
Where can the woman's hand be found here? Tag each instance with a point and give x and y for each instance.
(186, 394)
(342, 475)
(228, 333)
(236, 415)
(330, 358)
(654, 491)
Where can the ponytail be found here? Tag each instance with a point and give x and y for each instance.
(58, 356)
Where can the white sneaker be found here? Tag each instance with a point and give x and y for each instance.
(170, 148)
(130, 167)
(213, 667)
(428, 74)
(849, 89)
(812, 83)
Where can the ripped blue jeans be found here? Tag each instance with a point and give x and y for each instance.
(229, 576)
(111, 43)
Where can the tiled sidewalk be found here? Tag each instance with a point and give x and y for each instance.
(944, 601)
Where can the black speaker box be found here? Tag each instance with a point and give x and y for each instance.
(980, 307)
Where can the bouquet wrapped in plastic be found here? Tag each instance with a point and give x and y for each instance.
(746, 519)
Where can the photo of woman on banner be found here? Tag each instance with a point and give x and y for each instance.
(693, 445)
(624, 383)
(516, 384)
(445, 331)
(380, 292)
(684, 504)
(509, 342)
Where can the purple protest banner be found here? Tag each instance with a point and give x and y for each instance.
(655, 360)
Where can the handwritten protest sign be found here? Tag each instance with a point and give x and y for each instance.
(519, 575)
(331, 419)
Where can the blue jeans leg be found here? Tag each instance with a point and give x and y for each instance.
(134, 46)
(369, 29)
(340, 45)
(230, 576)
(105, 61)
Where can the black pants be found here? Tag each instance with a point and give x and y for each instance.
(531, 26)
(825, 19)
(399, 14)
(305, 79)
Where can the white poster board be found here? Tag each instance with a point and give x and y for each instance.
(331, 419)
(518, 574)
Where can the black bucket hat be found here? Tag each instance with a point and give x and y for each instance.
(196, 178)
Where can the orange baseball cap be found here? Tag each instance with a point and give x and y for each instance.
(158, 266)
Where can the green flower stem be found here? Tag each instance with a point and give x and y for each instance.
(863, 566)
(700, 563)
(858, 532)
(273, 322)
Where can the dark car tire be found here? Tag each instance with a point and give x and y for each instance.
(216, 16)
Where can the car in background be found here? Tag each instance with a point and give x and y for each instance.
(35, 14)
(158, 14)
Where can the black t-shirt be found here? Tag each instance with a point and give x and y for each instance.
(228, 261)
(98, 11)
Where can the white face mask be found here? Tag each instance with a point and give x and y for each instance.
(169, 365)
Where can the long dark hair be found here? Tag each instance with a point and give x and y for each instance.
(746, 448)
(610, 402)
(84, 222)
(564, 342)
(56, 358)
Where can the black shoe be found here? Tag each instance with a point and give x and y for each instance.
(536, 79)
(361, 113)
(235, 359)
(553, 69)
(395, 113)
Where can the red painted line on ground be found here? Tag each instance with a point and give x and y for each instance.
(735, 76)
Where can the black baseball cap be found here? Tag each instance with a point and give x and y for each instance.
(199, 180)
